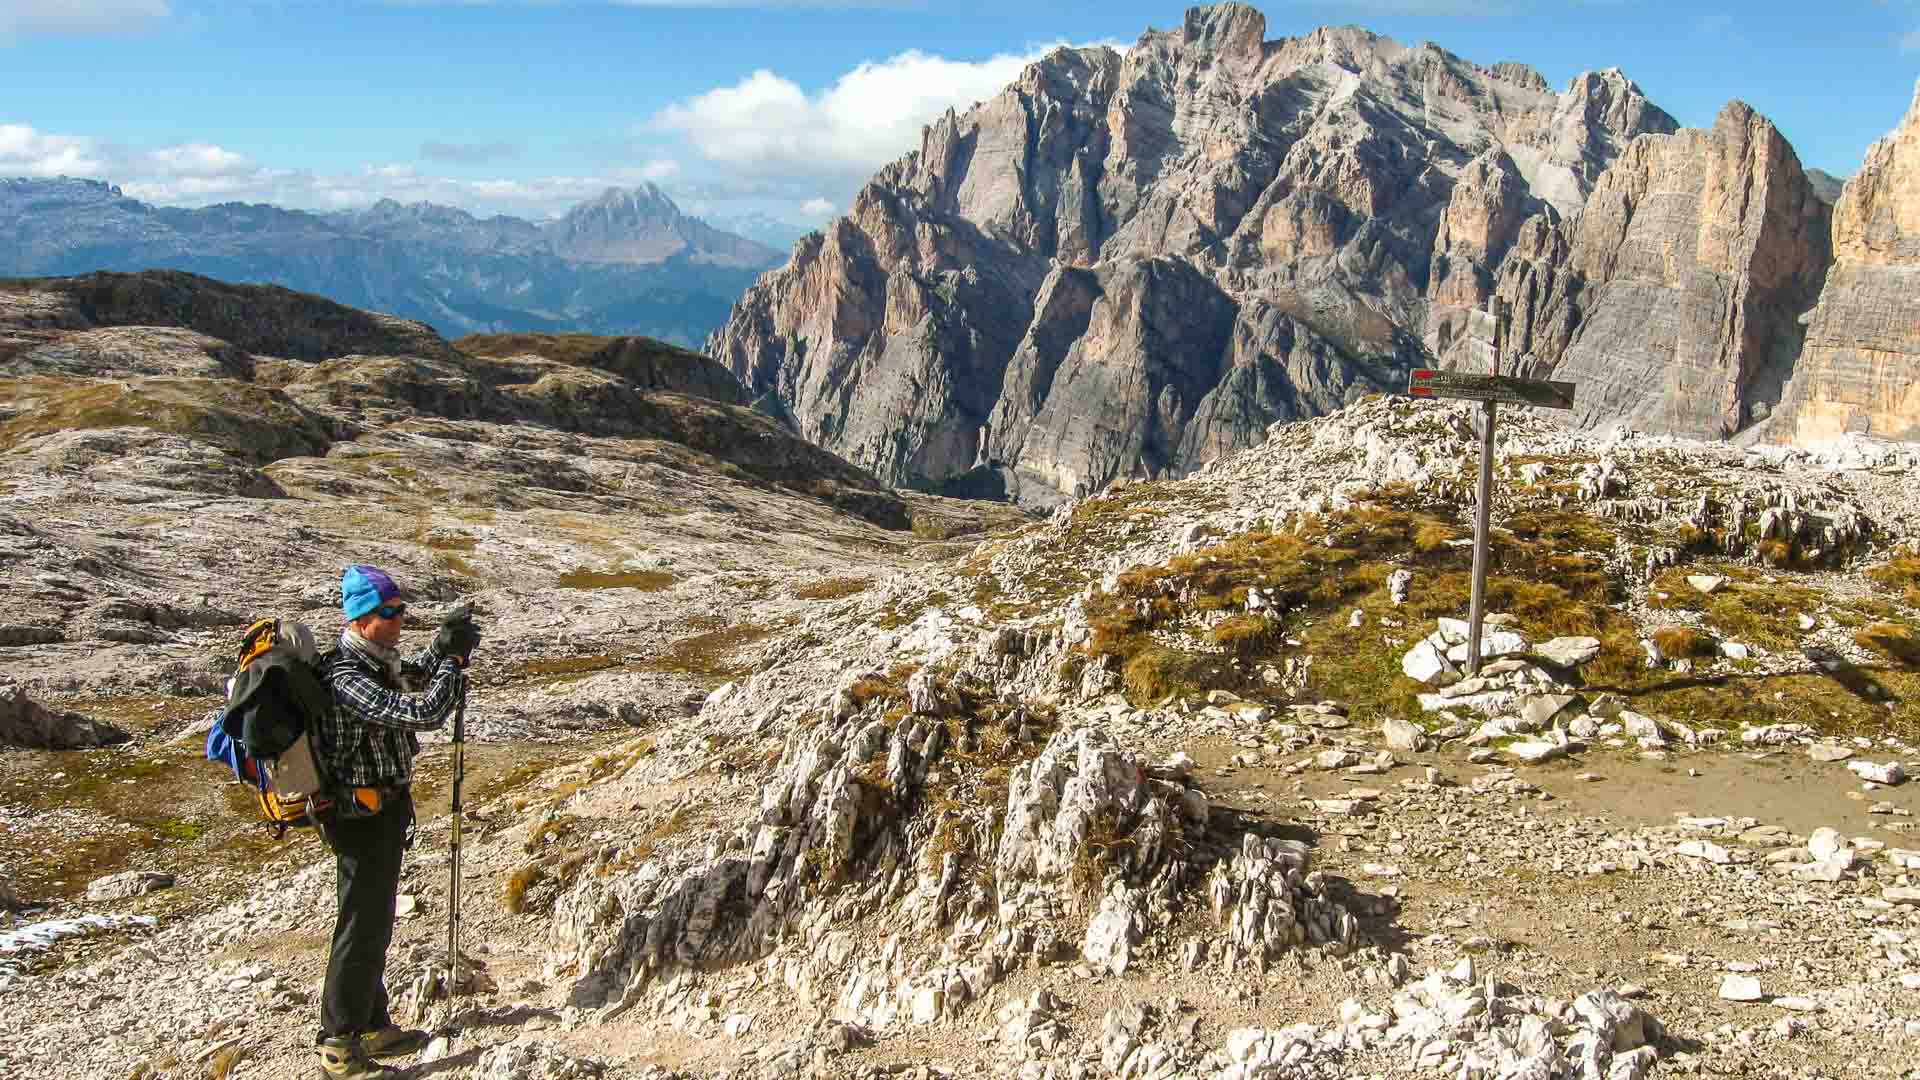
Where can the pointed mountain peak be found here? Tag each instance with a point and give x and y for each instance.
(645, 198)
(1231, 27)
(641, 225)
(1877, 219)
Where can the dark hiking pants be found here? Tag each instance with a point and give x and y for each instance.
(366, 854)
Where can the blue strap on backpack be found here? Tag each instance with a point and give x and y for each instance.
(226, 750)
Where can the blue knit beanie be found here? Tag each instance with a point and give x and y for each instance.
(363, 588)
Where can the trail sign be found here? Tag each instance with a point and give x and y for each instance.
(1484, 337)
(1429, 383)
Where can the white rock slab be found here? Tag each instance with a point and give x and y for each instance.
(1535, 751)
(128, 884)
(1424, 663)
(1401, 734)
(1569, 651)
(1825, 842)
(1888, 773)
(1704, 849)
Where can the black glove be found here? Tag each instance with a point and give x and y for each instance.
(458, 635)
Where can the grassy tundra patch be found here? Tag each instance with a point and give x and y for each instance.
(709, 655)
(832, 588)
(1193, 623)
(1206, 618)
(643, 580)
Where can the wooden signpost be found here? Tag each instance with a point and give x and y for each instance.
(1426, 382)
(1486, 332)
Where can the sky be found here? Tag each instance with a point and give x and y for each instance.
(774, 107)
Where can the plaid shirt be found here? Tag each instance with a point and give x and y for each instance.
(367, 739)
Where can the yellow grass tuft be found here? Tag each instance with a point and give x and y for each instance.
(1244, 633)
(1895, 641)
(643, 580)
(831, 589)
(1903, 573)
(517, 885)
(1683, 642)
(1431, 536)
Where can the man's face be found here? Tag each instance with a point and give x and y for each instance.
(383, 624)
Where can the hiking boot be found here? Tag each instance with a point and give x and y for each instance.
(344, 1058)
(393, 1041)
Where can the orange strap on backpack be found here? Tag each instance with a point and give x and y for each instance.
(257, 642)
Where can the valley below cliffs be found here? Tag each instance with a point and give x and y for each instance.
(1129, 263)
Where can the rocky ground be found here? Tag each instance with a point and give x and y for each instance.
(1185, 780)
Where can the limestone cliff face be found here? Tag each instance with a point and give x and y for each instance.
(1861, 366)
(1127, 264)
(1124, 265)
(1674, 296)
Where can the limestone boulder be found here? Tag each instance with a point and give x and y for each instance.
(128, 884)
(25, 723)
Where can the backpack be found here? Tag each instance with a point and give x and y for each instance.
(274, 701)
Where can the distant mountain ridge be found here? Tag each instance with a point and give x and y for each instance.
(628, 261)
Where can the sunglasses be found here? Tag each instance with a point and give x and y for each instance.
(391, 611)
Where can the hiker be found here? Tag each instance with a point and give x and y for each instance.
(367, 743)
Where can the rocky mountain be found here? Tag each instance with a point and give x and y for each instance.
(1826, 185)
(1126, 265)
(627, 262)
(1675, 297)
(642, 226)
(1860, 368)
(179, 382)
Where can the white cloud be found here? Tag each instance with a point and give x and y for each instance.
(201, 173)
(195, 159)
(800, 4)
(1911, 42)
(767, 125)
(652, 172)
(817, 207)
(1471, 9)
(26, 152)
(468, 153)
(22, 17)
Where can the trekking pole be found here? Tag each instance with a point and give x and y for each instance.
(453, 887)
